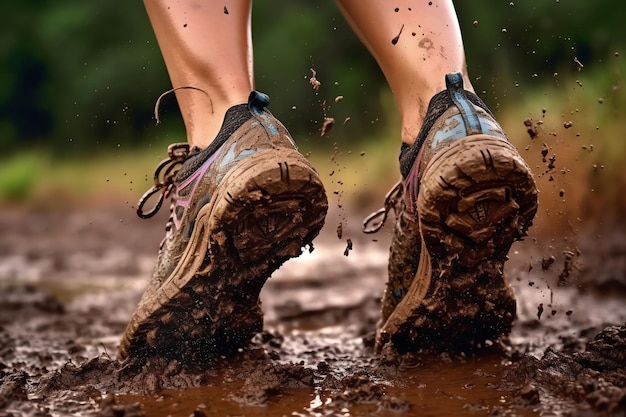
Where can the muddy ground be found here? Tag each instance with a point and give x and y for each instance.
(69, 281)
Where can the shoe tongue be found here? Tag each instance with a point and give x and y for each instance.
(235, 117)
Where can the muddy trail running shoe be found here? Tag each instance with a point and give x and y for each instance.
(465, 196)
(239, 209)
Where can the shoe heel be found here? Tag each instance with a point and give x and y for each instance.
(476, 198)
(274, 206)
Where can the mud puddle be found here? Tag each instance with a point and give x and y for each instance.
(69, 282)
(435, 387)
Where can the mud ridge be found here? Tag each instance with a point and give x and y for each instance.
(594, 378)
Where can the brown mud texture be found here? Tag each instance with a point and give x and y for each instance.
(69, 281)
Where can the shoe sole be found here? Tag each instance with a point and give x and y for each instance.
(275, 204)
(476, 197)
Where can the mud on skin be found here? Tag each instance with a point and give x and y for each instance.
(64, 303)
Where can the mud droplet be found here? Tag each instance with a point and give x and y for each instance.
(328, 124)
(539, 311)
(348, 247)
(552, 162)
(561, 192)
(313, 80)
(567, 124)
(547, 262)
(225, 10)
(397, 38)
(531, 128)
(579, 64)
(568, 266)
(340, 231)
(544, 151)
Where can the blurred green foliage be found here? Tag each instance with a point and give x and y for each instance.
(19, 175)
(83, 76)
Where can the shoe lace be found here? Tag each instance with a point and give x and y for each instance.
(375, 221)
(164, 179)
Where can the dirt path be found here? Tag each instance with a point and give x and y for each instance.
(70, 280)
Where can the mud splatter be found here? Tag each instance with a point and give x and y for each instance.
(532, 128)
(547, 262)
(579, 65)
(328, 124)
(568, 266)
(313, 80)
(544, 152)
(397, 38)
(346, 252)
(426, 43)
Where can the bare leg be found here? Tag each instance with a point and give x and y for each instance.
(206, 45)
(415, 43)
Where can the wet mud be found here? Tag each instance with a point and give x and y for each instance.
(69, 281)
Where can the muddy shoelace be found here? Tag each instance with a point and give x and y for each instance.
(164, 179)
(166, 171)
(375, 221)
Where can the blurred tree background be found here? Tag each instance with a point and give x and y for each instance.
(83, 76)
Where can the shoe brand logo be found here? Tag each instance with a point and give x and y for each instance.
(479, 212)
(267, 226)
